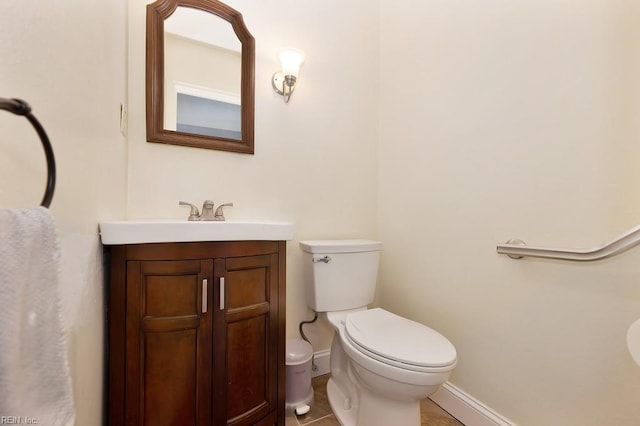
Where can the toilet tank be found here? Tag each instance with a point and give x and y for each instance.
(340, 274)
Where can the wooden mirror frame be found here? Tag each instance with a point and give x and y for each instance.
(157, 12)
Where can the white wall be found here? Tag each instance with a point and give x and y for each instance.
(67, 60)
(504, 119)
(315, 159)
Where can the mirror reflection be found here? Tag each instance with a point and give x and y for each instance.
(202, 75)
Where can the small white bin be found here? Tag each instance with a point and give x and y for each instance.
(298, 392)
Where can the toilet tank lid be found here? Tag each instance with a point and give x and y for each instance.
(340, 246)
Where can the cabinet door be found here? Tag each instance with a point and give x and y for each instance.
(168, 343)
(245, 342)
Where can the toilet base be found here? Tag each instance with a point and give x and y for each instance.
(371, 409)
(345, 410)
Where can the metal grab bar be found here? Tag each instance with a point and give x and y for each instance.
(517, 249)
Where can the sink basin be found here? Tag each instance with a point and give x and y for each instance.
(178, 231)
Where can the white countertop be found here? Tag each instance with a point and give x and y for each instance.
(177, 231)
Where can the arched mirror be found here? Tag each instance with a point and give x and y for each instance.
(200, 76)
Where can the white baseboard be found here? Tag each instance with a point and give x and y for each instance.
(321, 359)
(467, 409)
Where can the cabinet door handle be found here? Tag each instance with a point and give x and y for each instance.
(204, 296)
(221, 293)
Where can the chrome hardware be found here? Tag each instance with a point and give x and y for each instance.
(221, 293)
(194, 214)
(515, 242)
(204, 296)
(325, 259)
(207, 210)
(219, 215)
(516, 249)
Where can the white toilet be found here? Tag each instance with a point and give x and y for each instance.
(382, 365)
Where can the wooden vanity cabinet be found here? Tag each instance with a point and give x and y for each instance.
(196, 333)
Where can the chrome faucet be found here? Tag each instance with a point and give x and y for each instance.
(207, 211)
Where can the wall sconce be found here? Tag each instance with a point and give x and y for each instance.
(284, 82)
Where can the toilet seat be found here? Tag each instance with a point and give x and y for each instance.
(398, 341)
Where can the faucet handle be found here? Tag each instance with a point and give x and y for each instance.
(194, 214)
(219, 215)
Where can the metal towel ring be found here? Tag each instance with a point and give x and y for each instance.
(20, 107)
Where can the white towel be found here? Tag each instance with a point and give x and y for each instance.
(35, 385)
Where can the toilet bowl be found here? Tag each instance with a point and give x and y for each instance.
(382, 364)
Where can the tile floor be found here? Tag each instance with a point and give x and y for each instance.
(320, 414)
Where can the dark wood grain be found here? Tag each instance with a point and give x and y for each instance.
(172, 364)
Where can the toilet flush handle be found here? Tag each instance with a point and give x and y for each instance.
(325, 259)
